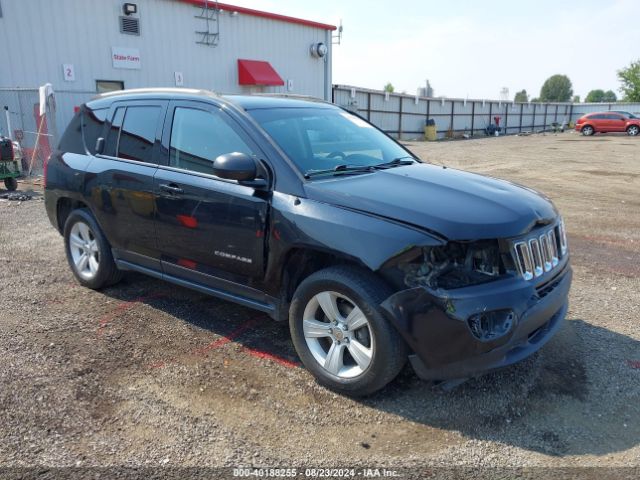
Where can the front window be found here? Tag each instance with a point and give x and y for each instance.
(319, 139)
(198, 137)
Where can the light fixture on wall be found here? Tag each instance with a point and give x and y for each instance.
(130, 8)
(319, 50)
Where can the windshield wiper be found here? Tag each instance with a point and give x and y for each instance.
(339, 169)
(396, 162)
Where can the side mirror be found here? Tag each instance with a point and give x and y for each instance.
(235, 166)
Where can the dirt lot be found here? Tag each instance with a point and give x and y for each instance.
(148, 374)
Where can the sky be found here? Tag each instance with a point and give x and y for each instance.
(472, 49)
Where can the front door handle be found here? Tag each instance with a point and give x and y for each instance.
(171, 188)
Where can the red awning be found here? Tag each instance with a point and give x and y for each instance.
(257, 72)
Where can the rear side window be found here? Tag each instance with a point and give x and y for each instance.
(138, 133)
(111, 144)
(198, 137)
(132, 133)
(92, 127)
(71, 140)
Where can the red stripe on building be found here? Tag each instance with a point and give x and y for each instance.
(259, 13)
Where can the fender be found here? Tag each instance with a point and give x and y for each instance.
(368, 240)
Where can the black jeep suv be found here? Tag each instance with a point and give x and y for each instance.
(309, 213)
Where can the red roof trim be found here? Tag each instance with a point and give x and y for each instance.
(257, 72)
(260, 13)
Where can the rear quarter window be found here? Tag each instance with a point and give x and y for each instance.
(71, 140)
(93, 127)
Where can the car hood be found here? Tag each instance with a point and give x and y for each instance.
(455, 204)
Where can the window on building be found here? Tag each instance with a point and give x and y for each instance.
(105, 86)
(138, 133)
(198, 137)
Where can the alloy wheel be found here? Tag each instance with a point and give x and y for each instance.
(85, 251)
(338, 334)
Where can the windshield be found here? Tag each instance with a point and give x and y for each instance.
(319, 139)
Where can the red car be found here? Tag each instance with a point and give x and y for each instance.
(603, 122)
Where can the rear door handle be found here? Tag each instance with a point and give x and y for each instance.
(171, 188)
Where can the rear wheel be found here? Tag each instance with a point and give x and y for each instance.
(340, 333)
(11, 183)
(88, 252)
(633, 130)
(587, 130)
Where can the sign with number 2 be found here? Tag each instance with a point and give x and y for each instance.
(68, 72)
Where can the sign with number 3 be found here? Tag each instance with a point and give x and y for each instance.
(68, 72)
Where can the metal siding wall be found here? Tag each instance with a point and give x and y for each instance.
(413, 116)
(38, 36)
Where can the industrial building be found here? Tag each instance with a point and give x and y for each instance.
(84, 47)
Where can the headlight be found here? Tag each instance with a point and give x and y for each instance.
(455, 265)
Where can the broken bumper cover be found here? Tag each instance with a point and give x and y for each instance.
(435, 324)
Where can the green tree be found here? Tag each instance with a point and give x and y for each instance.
(599, 95)
(595, 96)
(389, 87)
(576, 99)
(557, 88)
(630, 79)
(521, 96)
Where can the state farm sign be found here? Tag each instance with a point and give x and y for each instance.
(125, 58)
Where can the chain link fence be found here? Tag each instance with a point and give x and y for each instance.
(37, 135)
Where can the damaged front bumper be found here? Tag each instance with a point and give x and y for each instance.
(445, 342)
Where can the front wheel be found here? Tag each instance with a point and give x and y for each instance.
(587, 130)
(88, 252)
(633, 130)
(340, 333)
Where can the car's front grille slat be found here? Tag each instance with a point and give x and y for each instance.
(541, 252)
(534, 245)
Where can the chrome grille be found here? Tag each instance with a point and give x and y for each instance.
(563, 237)
(553, 248)
(536, 254)
(541, 252)
(523, 257)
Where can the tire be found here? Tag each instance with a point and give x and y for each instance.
(587, 130)
(82, 236)
(11, 183)
(633, 130)
(352, 296)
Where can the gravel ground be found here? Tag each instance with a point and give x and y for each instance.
(148, 374)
